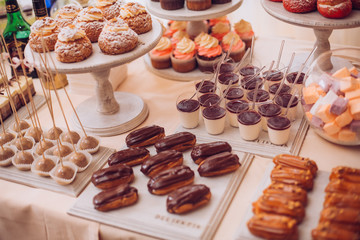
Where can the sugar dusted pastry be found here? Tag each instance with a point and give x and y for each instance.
(73, 45)
(43, 31)
(136, 16)
(110, 8)
(67, 14)
(92, 21)
(117, 37)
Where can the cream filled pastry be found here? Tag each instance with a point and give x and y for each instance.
(136, 16)
(72, 45)
(110, 8)
(67, 14)
(117, 37)
(43, 36)
(92, 21)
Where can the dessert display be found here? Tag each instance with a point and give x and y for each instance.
(43, 32)
(132, 156)
(201, 151)
(180, 142)
(219, 164)
(112, 176)
(145, 136)
(91, 20)
(160, 55)
(109, 8)
(67, 14)
(136, 16)
(214, 119)
(183, 57)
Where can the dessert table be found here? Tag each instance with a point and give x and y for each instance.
(30, 213)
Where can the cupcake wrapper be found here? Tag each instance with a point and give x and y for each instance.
(89, 159)
(90, 150)
(42, 173)
(7, 162)
(206, 65)
(22, 167)
(50, 151)
(31, 139)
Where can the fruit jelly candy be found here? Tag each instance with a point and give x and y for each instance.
(355, 126)
(317, 122)
(339, 106)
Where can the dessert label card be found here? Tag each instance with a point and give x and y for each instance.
(262, 146)
(312, 211)
(149, 215)
(11, 173)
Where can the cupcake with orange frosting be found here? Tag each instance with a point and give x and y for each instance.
(160, 55)
(174, 27)
(92, 21)
(219, 30)
(223, 19)
(110, 8)
(209, 53)
(183, 57)
(238, 46)
(177, 36)
(245, 32)
(67, 14)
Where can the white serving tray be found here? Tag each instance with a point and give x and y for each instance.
(149, 216)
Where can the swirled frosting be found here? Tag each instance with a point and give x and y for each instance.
(70, 33)
(226, 41)
(178, 25)
(132, 9)
(223, 19)
(221, 27)
(69, 11)
(177, 36)
(209, 46)
(90, 14)
(104, 3)
(243, 28)
(116, 25)
(185, 49)
(45, 26)
(163, 47)
(198, 38)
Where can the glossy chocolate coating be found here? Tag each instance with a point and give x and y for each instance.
(188, 105)
(227, 67)
(261, 95)
(214, 112)
(292, 76)
(278, 123)
(249, 82)
(273, 75)
(185, 139)
(206, 87)
(249, 70)
(109, 195)
(190, 194)
(209, 99)
(208, 149)
(284, 99)
(284, 89)
(237, 106)
(249, 118)
(234, 93)
(169, 177)
(143, 134)
(228, 78)
(160, 159)
(269, 110)
(218, 162)
(127, 155)
(111, 173)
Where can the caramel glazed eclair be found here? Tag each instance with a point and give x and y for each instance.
(145, 136)
(219, 164)
(188, 198)
(179, 141)
(171, 179)
(120, 196)
(202, 151)
(130, 156)
(112, 176)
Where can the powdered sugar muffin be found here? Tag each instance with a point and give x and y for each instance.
(136, 16)
(72, 45)
(45, 29)
(92, 21)
(110, 8)
(117, 37)
(67, 14)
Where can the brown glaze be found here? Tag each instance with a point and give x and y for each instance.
(237, 106)
(342, 200)
(273, 75)
(293, 176)
(269, 110)
(130, 156)
(249, 118)
(202, 151)
(161, 161)
(188, 105)
(341, 215)
(284, 89)
(292, 76)
(112, 176)
(346, 173)
(292, 161)
(144, 136)
(219, 164)
(214, 112)
(261, 95)
(278, 123)
(228, 78)
(180, 141)
(287, 191)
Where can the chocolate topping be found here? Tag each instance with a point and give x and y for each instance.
(228, 78)
(284, 99)
(208, 149)
(206, 87)
(190, 194)
(209, 99)
(226, 67)
(143, 134)
(284, 89)
(174, 140)
(261, 95)
(188, 105)
(160, 159)
(249, 70)
(249, 118)
(278, 123)
(170, 177)
(127, 155)
(234, 93)
(111, 173)
(237, 106)
(269, 110)
(121, 191)
(249, 82)
(218, 162)
(273, 75)
(292, 76)
(214, 112)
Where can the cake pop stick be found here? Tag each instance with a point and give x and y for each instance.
(280, 53)
(230, 47)
(217, 71)
(257, 86)
(286, 72)
(240, 64)
(252, 48)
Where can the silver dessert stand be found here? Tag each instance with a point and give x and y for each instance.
(107, 113)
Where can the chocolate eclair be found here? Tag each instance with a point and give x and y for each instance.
(160, 162)
(188, 198)
(112, 176)
(219, 164)
(130, 156)
(202, 151)
(145, 136)
(180, 141)
(171, 179)
(120, 196)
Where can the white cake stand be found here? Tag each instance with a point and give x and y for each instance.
(321, 25)
(107, 113)
(195, 26)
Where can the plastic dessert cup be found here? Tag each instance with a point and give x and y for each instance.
(234, 108)
(248, 70)
(272, 77)
(214, 119)
(262, 97)
(225, 79)
(274, 87)
(188, 110)
(267, 111)
(283, 101)
(234, 93)
(208, 99)
(279, 130)
(290, 78)
(205, 86)
(249, 82)
(249, 125)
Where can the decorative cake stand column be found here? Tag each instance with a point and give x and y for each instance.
(107, 113)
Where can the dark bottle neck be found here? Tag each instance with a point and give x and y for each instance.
(39, 9)
(12, 6)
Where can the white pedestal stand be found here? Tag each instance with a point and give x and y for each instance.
(107, 113)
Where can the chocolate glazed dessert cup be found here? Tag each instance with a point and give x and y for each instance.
(206, 87)
(249, 125)
(283, 101)
(214, 119)
(248, 70)
(208, 99)
(188, 110)
(273, 89)
(225, 79)
(267, 111)
(291, 77)
(279, 130)
(234, 108)
(234, 93)
(262, 97)
(272, 77)
(249, 82)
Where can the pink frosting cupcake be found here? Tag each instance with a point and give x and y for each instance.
(219, 30)
(160, 55)
(245, 32)
(238, 47)
(183, 57)
(209, 53)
